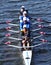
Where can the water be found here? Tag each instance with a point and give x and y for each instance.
(9, 10)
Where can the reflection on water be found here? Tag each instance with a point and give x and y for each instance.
(9, 10)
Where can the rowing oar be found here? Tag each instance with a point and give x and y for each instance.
(7, 28)
(9, 42)
(7, 35)
(13, 32)
(29, 46)
(9, 21)
(45, 26)
(19, 39)
(44, 42)
(5, 22)
(40, 26)
(42, 20)
(44, 33)
(37, 19)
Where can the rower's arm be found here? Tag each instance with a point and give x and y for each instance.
(21, 26)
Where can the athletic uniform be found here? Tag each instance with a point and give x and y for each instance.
(26, 25)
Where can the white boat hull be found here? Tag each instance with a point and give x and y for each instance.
(27, 55)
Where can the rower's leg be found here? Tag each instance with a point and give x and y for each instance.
(24, 42)
(27, 44)
(24, 46)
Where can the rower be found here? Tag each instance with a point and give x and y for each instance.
(25, 14)
(24, 20)
(26, 39)
(26, 33)
(21, 13)
(21, 18)
(22, 9)
(26, 23)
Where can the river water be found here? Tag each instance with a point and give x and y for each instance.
(9, 10)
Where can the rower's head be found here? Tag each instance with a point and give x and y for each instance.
(25, 13)
(22, 9)
(25, 29)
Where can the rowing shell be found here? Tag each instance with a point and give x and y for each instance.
(27, 55)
